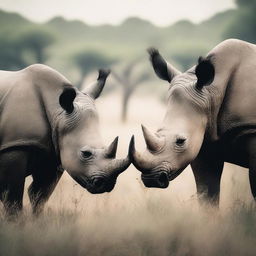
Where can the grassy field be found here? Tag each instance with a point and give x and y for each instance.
(133, 220)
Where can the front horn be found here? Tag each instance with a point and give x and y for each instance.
(118, 166)
(141, 163)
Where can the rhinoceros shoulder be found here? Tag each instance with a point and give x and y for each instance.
(41, 68)
(40, 73)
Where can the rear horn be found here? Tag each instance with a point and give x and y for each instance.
(153, 142)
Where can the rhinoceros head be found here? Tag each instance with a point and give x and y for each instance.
(178, 141)
(82, 152)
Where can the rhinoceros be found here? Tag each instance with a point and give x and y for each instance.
(210, 119)
(47, 126)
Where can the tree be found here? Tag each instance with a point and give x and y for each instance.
(188, 57)
(244, 23)
(36, 39)
(10, 53)
(87, 61)
(246, 3)
(130, 78)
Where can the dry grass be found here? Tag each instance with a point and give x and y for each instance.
(133, 220)
(144, 226)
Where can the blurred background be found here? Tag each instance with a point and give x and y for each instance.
(78, 37)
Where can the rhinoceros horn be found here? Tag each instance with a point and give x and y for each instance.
(140, 162)
(118, 166)
(154, 143)
(110, 152)
(94, 90)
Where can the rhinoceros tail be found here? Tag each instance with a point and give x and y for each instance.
(103, 74)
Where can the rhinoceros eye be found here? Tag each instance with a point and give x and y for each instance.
(180, 141)
(86, 154)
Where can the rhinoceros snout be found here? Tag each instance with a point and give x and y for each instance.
(98, 182)
(159, 181)
(100, 185)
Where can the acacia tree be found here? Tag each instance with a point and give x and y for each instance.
(129, 78)
(244, 23)
(10, 54)
(36, 40)
(88, 61)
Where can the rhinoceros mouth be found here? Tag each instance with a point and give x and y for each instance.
(174, 174)
(102, 190)
(101, 184)
(81, 181)
(96, 184)
(159, 180)
(160, 177)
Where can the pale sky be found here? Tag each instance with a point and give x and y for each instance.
(160, 12)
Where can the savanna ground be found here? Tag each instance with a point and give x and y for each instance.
(133, 220)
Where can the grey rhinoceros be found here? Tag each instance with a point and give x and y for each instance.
(46, 126)
(210, 119)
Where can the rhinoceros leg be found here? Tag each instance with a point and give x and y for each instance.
(252, 165)
(13, 167)
(207, 171)
(45, 178)
(252, 178)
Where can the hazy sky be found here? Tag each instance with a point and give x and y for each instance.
(161, 12)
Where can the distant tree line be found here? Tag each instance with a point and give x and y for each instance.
(183, 42)
(89, 60)
(24, 48)
(244, 24)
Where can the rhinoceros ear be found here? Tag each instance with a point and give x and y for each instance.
(66, 99)
(205, 72)
(94, 90)
(162, 68)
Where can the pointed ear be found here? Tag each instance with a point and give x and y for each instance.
(94, 90)
(205, 72)
(66, 99)
(162, 68)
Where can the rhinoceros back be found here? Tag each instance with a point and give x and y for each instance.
(22, 118)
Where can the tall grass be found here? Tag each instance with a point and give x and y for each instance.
(148, 226)
(133, 220)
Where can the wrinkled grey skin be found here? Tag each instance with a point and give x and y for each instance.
(46, 126)
(210, 119)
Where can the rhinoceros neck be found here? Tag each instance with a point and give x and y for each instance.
(49, 85)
